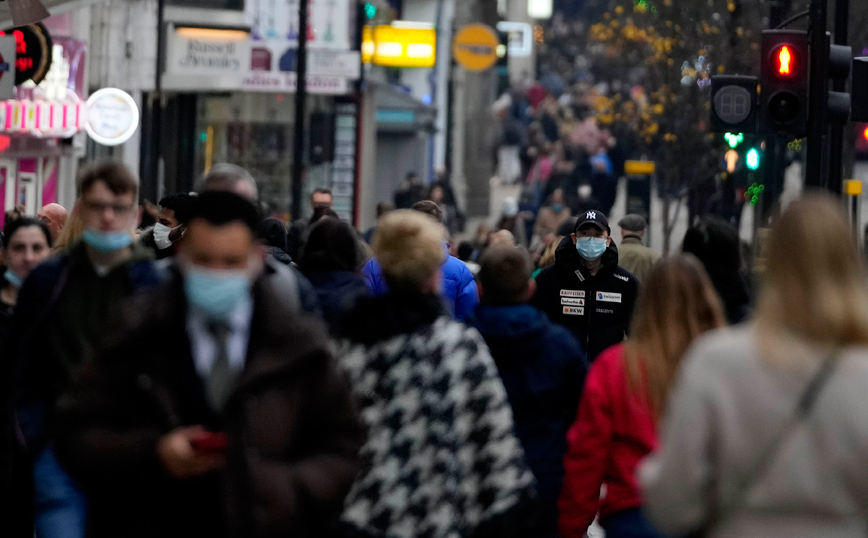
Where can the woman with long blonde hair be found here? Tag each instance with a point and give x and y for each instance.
(766, 428)
(623, 400)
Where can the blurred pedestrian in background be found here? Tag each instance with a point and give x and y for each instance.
(28, 243)
(764, 433)
(55, 216)
(330, 261)
(441, 457)
(410, 192)
(542, 366)
(272, 233)
(67, 309)
(297, 235)
(237, 180)
(716, 243)
(234, 423)
(632, 254)
(170, 227)
(458, 287)
(624, 398)
(72, 230)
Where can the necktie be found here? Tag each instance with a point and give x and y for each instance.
(222, 378)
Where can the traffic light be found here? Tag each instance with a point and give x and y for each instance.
(784, 83)
(734, 139)
(860, 89)
(370, 10)
(838, 103)
(752, 159)
(733, 104)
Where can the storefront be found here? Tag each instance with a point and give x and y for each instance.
(38, 154)
(241, 81)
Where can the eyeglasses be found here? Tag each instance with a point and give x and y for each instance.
(100, 208)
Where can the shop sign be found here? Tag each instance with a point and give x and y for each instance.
(269, 57)
(57, 119)
(286, 83)
(112, 117)
(7, 67)
(400, 44)
(519, 37)
(33, 51)
(277, 21)
(475, 47)
(209, 51)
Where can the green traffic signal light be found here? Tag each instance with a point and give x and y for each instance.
(753, 159)
(734, 139)
(370, 10)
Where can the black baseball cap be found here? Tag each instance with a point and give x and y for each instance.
(597, 218)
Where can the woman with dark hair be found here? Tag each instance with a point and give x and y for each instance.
(717, 245)
(272, 232)
(330, 260)
(28, 243)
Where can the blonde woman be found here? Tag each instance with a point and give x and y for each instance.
(623, 399)
(766, 431)
(442, 458)
(73, 229)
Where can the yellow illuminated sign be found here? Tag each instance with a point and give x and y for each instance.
(639, 168)
(399, 45)
(475, 47)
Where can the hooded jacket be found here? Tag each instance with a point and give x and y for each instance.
(542, 366)
(459, 287)
(598, 308)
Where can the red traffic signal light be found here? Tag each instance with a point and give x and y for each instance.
(785, 61)
(783, 102)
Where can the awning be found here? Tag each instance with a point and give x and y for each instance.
(400, 112)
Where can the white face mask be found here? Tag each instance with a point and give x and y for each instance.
(161, 236)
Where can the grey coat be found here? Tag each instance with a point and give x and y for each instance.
(726, 407)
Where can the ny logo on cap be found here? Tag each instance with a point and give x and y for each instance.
(591, 215)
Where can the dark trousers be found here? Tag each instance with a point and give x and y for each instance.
(629, 524)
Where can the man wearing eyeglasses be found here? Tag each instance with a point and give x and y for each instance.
(68, 309)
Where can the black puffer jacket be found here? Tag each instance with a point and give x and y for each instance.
(597, 309)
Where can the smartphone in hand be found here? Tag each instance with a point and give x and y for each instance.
(211, 443)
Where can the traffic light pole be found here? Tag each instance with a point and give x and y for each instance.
(815, 167)
(836, 137)
(773, 170)
(300, 111)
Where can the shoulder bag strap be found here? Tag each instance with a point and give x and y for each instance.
(803, 409)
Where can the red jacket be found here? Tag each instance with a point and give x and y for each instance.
(612, 433)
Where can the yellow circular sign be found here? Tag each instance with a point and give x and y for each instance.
(475, 47)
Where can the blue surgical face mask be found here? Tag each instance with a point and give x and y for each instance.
(557, 207)
(13, 278)
(217, 294)
(107, 241)
(591, 248)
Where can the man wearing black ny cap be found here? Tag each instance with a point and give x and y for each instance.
(585, 290)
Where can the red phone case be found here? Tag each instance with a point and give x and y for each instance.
(210, 443)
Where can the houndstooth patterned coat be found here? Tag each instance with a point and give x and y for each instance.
(442, 459)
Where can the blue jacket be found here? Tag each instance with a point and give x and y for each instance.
(543, 368)
(459, 288)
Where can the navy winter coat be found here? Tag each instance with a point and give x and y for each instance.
(337, 291)
(459, 288)
(543, 368)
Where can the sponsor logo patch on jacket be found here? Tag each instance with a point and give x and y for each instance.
(572, 302)
(574, 311)
(605, 297)
(625, 279)
(572, 293)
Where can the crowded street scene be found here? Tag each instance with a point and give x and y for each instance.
(433, 268)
